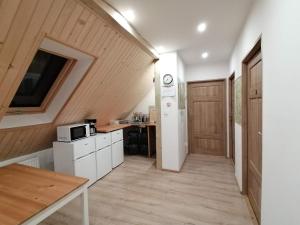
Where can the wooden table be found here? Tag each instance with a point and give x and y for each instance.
(114, 127)
(29, 195)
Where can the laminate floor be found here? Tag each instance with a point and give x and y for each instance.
(204, 193)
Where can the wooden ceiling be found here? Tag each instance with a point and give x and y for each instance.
(119, 78)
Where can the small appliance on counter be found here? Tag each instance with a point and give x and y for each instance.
(72, 132)
(92, 123)
(140, 117)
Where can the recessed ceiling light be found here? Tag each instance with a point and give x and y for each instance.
(160, 49)
(202, 27)
(129, 15)
(204, 55)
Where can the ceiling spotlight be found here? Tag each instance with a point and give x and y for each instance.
(204, 55)
(160, 49)
(129, 15)
(202, 27)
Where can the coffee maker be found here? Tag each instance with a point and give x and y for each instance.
(92, 123)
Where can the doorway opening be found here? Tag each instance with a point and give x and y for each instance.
(231, 117)
(207, 117)
(252, 127)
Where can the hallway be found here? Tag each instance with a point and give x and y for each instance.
(204, 193)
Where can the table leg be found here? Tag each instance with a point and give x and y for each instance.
(85, 207)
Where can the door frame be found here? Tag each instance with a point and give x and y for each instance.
(247, 59)
(231, 112)
(225, 111)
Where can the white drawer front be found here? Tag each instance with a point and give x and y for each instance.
(103, 140)
(116, 136)
(84, 147)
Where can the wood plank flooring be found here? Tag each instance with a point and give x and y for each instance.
(204, 193)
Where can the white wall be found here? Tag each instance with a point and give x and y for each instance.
(172, 120)
(182, 117)
(278, 22)
(143, 105)
(208, 71)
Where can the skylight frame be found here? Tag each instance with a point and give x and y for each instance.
(52, 91)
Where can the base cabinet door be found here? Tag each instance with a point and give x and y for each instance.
(104, 162)
(117, 153)
(86, 167)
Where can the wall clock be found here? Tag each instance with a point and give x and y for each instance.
(168, 79)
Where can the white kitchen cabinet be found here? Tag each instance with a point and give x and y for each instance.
(104, 162)
(103, 154)
(77, 158)
(117, 149)
(86, 167)
(115, 141)
(92, 157)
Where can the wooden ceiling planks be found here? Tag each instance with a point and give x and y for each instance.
(11, 45)
(25, 52)
(118, 79)
(6, 16)
(103, 8)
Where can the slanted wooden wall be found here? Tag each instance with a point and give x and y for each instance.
(119, 78)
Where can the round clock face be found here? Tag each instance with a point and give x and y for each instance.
(167, 79)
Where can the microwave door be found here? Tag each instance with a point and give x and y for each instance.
(78, 132)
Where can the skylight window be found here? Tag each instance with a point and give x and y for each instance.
(40, 82)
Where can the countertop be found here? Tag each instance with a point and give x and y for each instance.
(114, 127)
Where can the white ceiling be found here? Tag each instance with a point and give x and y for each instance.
(173, 25)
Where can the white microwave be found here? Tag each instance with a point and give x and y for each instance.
(73, 132)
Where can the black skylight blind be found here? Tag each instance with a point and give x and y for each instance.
(38, 80)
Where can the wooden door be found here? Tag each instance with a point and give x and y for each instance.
(207, 126)
(254, 170)
(231, 119)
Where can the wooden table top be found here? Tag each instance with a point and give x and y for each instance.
(114, 127)
(25, 191)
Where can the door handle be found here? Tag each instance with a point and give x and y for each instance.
(260, 133)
